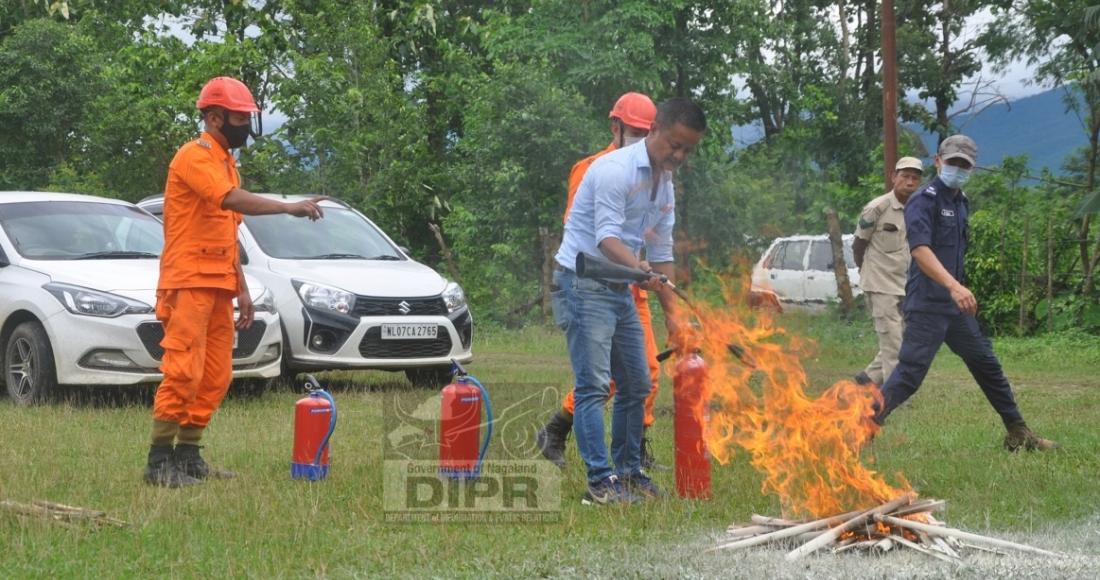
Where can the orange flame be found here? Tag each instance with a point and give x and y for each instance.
(807, 448)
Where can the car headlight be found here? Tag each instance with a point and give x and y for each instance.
(454, 297)
(325, 297)
(90, 302)
(265, 303)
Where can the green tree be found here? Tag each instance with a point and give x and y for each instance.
(1027, 29)
(521, 136)
(48, 75)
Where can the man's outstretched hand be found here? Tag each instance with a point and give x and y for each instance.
(310, 208)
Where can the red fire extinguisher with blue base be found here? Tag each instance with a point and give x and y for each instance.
(314, 422)
(460, 455)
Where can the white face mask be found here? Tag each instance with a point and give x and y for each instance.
(954, 177)
(629, 140)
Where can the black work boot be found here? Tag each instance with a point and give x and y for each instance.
(192, 464)
(649, 462)
(1020, 437)
(551, 438)
(162, 469)
(863, 379)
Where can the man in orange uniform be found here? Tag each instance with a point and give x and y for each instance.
(200, 275)
(631, 118)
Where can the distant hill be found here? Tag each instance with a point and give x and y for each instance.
(1037, 126)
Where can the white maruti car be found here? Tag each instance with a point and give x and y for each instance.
(798, 270)
(78, 277)
(351, 298)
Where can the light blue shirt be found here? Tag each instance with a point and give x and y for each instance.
(615, 200)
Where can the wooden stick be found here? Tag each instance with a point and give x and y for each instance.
(780, 534)
(940, 556)
(947, 549)
(921, 507)
(938, 531)
(774, 522)
(748, 531)
(885, 544)
(982, 548)
(854, 546)
(834, 533)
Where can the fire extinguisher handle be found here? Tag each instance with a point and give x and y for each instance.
(311, 383)
(457, 370)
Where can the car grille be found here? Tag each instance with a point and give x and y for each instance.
(372, 345)
(372, 306)
(151, 333)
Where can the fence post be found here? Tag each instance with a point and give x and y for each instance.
(1050, 275)
(1022, 324)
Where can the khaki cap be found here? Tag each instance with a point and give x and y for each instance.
(909, 163)
(959, 146)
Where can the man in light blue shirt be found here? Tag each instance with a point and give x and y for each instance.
(624, 205)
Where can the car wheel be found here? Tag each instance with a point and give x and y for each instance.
(29, 369)
(429, 377)
(252, 387)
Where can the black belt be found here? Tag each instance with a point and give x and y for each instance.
(613, 286)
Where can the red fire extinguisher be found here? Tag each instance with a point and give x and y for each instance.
(460, 454)
(314, 422)
(692, 458)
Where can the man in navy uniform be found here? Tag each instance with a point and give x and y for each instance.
(938, 307)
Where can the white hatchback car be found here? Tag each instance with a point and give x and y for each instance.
(350, 298)
(78, 278)
(799, 270)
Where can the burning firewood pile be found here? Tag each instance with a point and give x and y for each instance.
(903, 523)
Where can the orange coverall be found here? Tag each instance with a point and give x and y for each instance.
(641, 300)
(198, 281)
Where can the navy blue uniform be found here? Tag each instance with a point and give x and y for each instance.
(938, 217)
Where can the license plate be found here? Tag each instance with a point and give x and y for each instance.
(409, 331)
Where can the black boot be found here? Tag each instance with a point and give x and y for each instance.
(551, 438)
(162, 469)
(192, 464)
(649, 462)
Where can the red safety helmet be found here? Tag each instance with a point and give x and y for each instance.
(228, 93)
(634, 109)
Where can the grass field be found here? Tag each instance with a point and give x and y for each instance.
(89, 452)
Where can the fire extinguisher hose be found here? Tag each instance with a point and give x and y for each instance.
(331, 425)
(489, 421)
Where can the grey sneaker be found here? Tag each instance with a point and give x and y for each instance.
(641, 485)
(608, 491)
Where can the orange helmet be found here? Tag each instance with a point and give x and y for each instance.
(634, 109)
(228, 93)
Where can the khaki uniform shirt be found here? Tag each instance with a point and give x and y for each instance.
(886, 261)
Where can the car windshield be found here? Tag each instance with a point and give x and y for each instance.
(74, 230)
(341, 235)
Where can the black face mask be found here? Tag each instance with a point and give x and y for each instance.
(235, 135)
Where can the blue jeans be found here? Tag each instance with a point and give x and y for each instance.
(924, 333)
(605, 339)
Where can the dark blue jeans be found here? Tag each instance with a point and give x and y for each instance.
(605, 339)
(924, 333)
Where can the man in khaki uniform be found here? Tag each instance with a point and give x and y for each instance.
(882, 255)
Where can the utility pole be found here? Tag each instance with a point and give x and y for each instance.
(889, 92)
